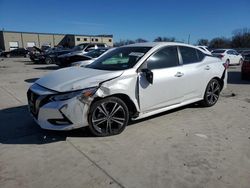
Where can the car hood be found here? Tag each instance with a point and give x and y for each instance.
(83, 63)
(74, 78)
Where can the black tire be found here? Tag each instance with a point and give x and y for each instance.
(212, 93)
(108, 116)
(48, 60)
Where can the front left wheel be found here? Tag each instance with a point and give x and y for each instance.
(108, 116)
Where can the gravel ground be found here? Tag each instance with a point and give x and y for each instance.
(187, 147)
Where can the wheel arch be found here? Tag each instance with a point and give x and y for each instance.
(133, 112)
(220, 80)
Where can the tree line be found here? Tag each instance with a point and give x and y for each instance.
(240, 39)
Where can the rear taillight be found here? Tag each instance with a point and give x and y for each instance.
(220, 56)
(225, 65)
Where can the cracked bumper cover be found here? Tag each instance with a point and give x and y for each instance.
(61, 115)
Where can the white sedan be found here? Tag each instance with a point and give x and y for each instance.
(230, 56)
(129, 82)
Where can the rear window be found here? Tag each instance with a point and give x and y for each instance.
(189, 55)
(218, 51)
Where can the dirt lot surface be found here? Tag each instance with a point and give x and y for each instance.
(188, 147)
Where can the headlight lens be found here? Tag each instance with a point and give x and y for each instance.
(81, 93)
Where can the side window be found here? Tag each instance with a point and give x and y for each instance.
(89, 47)
(229, 52)
(200, 55)
(235, 53)
(164, 58)
(100, 45)
(189, 55)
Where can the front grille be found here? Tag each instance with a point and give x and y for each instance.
(36, 101)
(32, 98)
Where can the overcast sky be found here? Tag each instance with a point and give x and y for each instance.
(128, 19)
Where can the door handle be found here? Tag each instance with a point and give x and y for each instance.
(207, 67)
(179, 74)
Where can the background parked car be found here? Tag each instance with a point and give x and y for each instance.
(68, 59)
(205, 49)
(244, 53)
(19, 52)
(245, 68)
(230, 56)
(48, 56)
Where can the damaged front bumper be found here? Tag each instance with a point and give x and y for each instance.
(57, 115)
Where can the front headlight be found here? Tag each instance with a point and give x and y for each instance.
(81, 93)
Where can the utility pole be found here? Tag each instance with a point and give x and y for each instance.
(188, 38)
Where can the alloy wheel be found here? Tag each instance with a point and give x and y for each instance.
(213, 92)
(109, 118)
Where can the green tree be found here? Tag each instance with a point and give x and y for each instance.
(164, 39)
(241, 38)
(220, 42)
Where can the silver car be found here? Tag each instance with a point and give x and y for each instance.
(127, 83)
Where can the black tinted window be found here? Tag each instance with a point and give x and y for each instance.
(167, 57)
(200, 55)
(189, 55)
(100, 45)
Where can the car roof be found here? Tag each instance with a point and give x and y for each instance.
(154, 44)
(224, 49)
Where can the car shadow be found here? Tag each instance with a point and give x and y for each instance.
(31, 80)
(23, 61)
(48, 68)
(234, 77)
(18, 127)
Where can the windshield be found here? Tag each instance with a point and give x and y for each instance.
(79, 47)
(218, 51)
(95, 53)
(120, 59)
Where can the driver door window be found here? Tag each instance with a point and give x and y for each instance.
(164, 58)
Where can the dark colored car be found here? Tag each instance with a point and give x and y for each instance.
(245, 68)
(19, 52)
(48, 56)
(69, 58)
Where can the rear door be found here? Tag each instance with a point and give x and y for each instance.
(195, 72)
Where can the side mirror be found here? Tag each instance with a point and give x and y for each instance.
(149, 75)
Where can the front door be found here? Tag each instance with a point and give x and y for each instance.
(167, 85)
